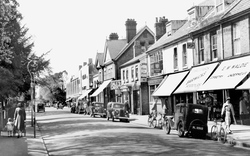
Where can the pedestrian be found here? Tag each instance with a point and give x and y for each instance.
(19, 117)
(127, 106)
(228, 113)
(154, 108)
(10, 127)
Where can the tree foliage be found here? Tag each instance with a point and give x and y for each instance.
(16, 67)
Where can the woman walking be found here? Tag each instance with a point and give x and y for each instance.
(228, 112)
(20, 117)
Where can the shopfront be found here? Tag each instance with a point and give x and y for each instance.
(166, 88)
(226, 78)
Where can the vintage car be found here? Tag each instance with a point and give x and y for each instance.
(116, 110)
(40, 107)
(188, 120)
(82, 107)
(98, 109)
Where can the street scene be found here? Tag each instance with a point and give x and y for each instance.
(124, 78)
(64, 133)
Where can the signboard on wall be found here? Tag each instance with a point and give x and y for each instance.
(115, 84)
(190, 45)
(144, 70)
(157, 67)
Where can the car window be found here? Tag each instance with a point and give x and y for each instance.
(118, 106)
(99, 105)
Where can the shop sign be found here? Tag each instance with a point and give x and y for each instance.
(157, 67)
(115, 84)
(190, 45)
(144, 70)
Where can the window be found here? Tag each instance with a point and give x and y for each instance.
(201, 49)
(184, 53)
(136, 72)
(175, 59)
(123, 75)
(132, 73)
(156, 63)
(219, 5)
(126, 75)
(236, 39)
(213, 46)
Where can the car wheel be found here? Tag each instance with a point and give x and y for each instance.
(167, 127)
(181, 129)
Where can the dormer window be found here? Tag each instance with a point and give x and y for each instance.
(219, 5)
(168, 29)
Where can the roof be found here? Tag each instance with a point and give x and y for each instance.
(240, 5)
(182, 31)
(134, 39)
(99, 58)
(207, 3)
(134, 60)
(115, 46)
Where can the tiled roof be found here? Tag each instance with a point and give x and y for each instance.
(99, 57)
(184, 30)
(134, 39)
(134, 60)
(240, 6)
(115, 46)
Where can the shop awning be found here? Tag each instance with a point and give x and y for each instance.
(196, 77)
(85, 93)
(102, 86)
(228, 75)
(169, 84)
(245, 85)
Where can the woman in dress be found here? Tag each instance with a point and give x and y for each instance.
(228, 112)
(19, 117)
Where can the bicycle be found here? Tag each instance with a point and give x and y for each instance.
(218, 132)
(152, 120)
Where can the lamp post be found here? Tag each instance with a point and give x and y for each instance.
(33, 111)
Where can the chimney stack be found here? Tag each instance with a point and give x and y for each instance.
(130, 29)
(113, 36)
(160, 27)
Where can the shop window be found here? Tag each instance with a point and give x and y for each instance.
(236, 38)
(175, 59)
(201, 49)
(184, 55)
(214, 52)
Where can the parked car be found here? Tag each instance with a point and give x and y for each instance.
(116, 110)
(40, 107)
(98, 109)
(189, 119)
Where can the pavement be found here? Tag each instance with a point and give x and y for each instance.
(25, 146)
(239, 138)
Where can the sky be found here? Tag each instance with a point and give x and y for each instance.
(75, 30)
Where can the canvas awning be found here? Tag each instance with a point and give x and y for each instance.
(245, 85)
(100, 89)
(169, 84)
(196, 77)
(228, 75)
(85, 93)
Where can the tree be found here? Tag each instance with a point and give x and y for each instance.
(16, 53)
(54, 84)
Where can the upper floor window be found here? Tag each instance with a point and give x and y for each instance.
(201, 49)
(236, 38)
(184, 55)
(127, 74)
(123, 75)
(156, 63)
(214, 52)
(175, 59)
(219, 5)
(132, 73)
(136, 72)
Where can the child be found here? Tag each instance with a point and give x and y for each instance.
(10, 127)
